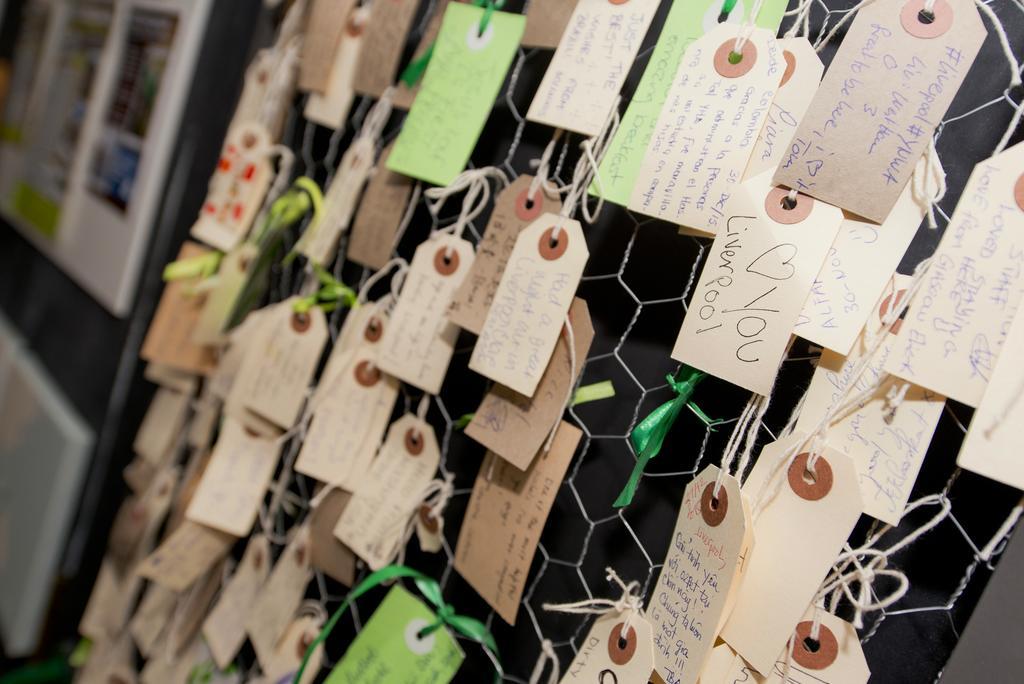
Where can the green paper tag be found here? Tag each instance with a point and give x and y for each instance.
(686, 22)
(461, 84)
(388, 651)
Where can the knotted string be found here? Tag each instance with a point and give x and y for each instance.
(547, 654)
(476, 184)
(747, 28)
(629, 604)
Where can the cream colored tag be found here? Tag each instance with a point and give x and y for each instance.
(291, 649)
(419, 341)
(546, 21)
(991, 447)
(708, 128)
(515, 427)
(956, 325)
(856, 270)
(224, 627)
(235, 481)
(231, 360)
(194, 604)
(166, 667)
(189, 552)
(804, 521)
(219, 301)
(504, 521)
(383, 44)
(258, 77)
(404, 95)
(280, 363)
(277, 601)
(171, 378)
(331, 108)
(755, 280)
(380, 213)
(325, 25)
(608, 655)
(203, 423)
(161, 427)
(429, 530)
(702, 566)
(593, 57)
(329, 555)
(887, 447)
(364, 326)
(151, 618)
(349, 420)
(531, 303)
(110, 660)
(800, 79)
(373, 524)
(237, 188)
(886, 90)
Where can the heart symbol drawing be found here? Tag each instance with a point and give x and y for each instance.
(777, 262)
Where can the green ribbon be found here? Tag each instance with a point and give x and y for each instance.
(332, 293)
(431, 590)
(728, 6)
(412, 74)
(202, 266)
(593, 392)
(649, 435)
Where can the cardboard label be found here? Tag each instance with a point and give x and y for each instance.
(161, 427)
(459, 88)
(291, 649)
(514, 426)
(754, 283)
(602, 658)
(955, 327)
(707, 129)
(151, 618)
(506, 515)
(374, 523)
(530, 305)
(188, 553)
(389, 649)
(513, 211)
(171, 378)
(279, 598)
(785, 568)
(382, 46)
(331, 108)
(546, 21)
(702, 566)
(325, 26)
(330, 556)
(224, 627)
(592, 60)
(380, 212)
(189, 613)
(419, 340)
(874, 114)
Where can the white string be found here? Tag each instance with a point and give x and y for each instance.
(570, 338)
(820, 44)
(398, 263)
(476, 184)
(543, 166)
(1015, 78)
(986, 553)
(894, 398)
(802, 19)
(629, 604)
(547, 655)
(747, 29)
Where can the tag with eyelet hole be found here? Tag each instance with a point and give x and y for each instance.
(289, 652)
(800, 79)
(546, 21)
(326, 21)
(374, 522)
(384, 40)
(609, 654)
(237, 188)
(887, 448)
(330, 556)
(224, 627)
(888, 87)
(459, 88)
(390, 648)
(279, 364)
(252, 103)
(804, 521)
(530, 304)
(381, 209)
(219, 301)
(419, 340)
(364, 326)
(591, 63)
(700, 577)
(189, 552)
(514, 210)
(277, 601)
(956, 326)
(707, 129)
(234, 483)
(331, 107)
(754, 283)
(429, 530)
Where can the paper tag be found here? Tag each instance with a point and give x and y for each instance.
(419, 340)
(429, 529)
(403, 94)
(504, 521)
(190, 478)
(858, 266)
(702, 567)
(380, 213)
(373, 524)
(220, 301)
(224, 627)
(280, 363)
(171, 378)
(331, 108)
(515, 427)
(804, 522)
(459, 88)
(686, 21)
(320, 244)
(235, 481)
(237, 187)
(389, 649)
(329, 555)
(755, 280)
(291, 649)
(707, 129)
(955, 327)
(189, 552)
(127, 531)
(279, 598)
(803, 70)
(112, 658)
(513, 211)
(592, 60)
(325, 25)
(190, 611)
(169, 338)
(887, 448)
(364, 326)
(158, 434)
(203, 423)
(258, 77)
(151, 618)
(874, 114)
(608, 655)
(546, 21)
(531, 303)
(166, 667)
(383, 44)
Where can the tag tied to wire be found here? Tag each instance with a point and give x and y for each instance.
(585, 394)
(649, 436)
(412, 74)
(431, 590)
